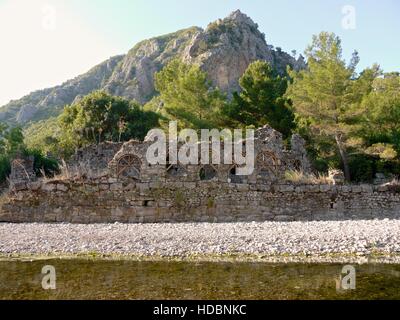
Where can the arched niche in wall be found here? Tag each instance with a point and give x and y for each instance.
(129, 166)
(297, 165)
(175, 170)
(233, 175)
(267, 165)
(207, 172)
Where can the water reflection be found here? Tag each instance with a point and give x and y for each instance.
(103, 279)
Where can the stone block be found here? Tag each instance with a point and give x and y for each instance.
(283, 218)
(367, 188)
(382, 188)
(144, 211)
(62, 187)
(116, 187)
(189, 185)
(356, 189)
(143, 187)
(117, 212)
(345, 189)
(34, 186)
(104, 186)
(286, 188)
(242, 187)
(314, 188)
(325, 188)
(19, 186)
(48, 187)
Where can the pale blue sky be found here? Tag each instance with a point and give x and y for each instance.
(45, 42)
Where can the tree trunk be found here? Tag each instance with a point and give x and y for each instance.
(343, 155)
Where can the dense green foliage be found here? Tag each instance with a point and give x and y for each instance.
(379, 125)
(4, 167)
(350, 120)
(43, 165)
(46, 135)
(11, 140)
(381, 114)
(97, 117)
(322, 93)
(262, 100)
(12, 143)
(188, 97)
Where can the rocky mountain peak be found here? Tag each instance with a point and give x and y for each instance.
(224, 50)
(240, 18)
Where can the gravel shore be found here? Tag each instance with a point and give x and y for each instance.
(271, 239)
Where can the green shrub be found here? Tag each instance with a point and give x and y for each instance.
(5, 168)
(321, 165)
(388, 167)
(43, 164)
(362, 168)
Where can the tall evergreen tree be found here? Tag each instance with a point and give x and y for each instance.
(262, 100)
(381, 113)
(188, 97)
(322, 94)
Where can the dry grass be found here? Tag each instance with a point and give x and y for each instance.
(81, 171)
(395, 182)
(299, 177)
(3, 199)
(394, 185)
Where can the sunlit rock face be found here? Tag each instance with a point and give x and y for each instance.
(227, 47)
(114, 182)
(224, 50)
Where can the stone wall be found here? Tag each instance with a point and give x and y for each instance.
(22, 169)
(115, 183)
(95, 156)
(106, 200)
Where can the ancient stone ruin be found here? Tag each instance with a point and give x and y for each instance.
(94, 159)
(127, 161)
(114, 182)
(22, 171)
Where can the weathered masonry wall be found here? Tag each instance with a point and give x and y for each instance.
(108, 200)
(113, 182)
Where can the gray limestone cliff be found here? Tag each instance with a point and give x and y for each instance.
(224, 50)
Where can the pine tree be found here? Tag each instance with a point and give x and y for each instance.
(322, 93)
(188, 97)
(262, 100)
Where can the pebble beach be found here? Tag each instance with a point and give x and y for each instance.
(268, 239)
